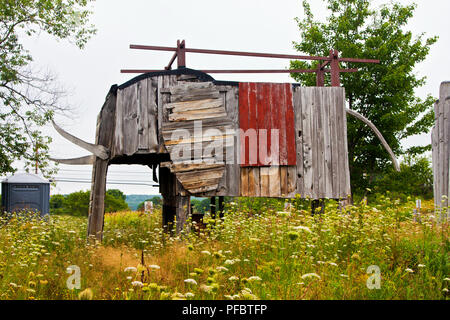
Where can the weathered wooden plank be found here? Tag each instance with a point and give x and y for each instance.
(143, 114)
(284, 180)
(152, 110)
(198, 115)
(244, 181)
(320, 182)
(194, 91)
(440, 107)
(264, 181)
(335, 152)
(292, 180)
(341, 104)
(117, 149)
(262, 110)
(251, 181)
(325, 110)
(194, 105)
(281, 105)
(232, 167)
(298, 112)
(274, 181)
(186, 167)
(290, 127)
(434, 145)
(307, 120)
(189, 125)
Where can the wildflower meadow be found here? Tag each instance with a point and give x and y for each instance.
(259, 250)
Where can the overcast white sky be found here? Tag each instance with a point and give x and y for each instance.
(250, 25)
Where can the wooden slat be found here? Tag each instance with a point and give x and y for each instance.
(319, 179)
(274, 181)
(341, 103)
(284, 180)
(307, 109)
(198, 115)
(254, 188)
(152, 109)
(193, 91)
(328, 177)
(244, 181)
(335, 152)
(264, 181)
(244, 121)
(262, 109)
(290, 127)
(142, 102)
(232, 166)
(292, 181)
(281, 105)
(194, 105)
(298, 112)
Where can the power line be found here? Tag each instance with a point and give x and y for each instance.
(107, 182)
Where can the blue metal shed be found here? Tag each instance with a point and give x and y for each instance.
(26, 191)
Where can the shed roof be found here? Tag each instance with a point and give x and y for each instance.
(25, 178)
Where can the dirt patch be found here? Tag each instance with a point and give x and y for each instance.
(117, 258)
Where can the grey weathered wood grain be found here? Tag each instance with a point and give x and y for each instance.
(307, 114)
(298, 114)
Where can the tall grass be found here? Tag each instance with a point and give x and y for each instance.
(257, 251)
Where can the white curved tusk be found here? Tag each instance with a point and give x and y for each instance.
(98, 150)
(378, 133)
(76, 161)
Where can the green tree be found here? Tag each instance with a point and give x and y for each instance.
(116, 193)
(414, 179)
(382, 92)
(28, 98)
(77, 203)
(57, 201)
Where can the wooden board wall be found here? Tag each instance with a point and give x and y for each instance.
(321, 169)
(198, 165)
(440, 136)
(321, 130)
(263, 108)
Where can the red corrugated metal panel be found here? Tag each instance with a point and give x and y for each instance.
(264, 107)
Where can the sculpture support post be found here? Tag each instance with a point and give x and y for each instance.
(97, 199)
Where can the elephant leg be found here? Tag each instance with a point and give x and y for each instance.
(183, 211)
(97, 201)
(174, 205)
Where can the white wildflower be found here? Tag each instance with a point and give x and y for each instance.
(190, 281)
(409, 270)
(421, 266)
(130, 269)
(137, 284)
(189, 295)
(223, 269)
(254, 278)
(229, 262)
(233, 278)
(154, 266)
(310, 275)
(206, 252)
(303, 228)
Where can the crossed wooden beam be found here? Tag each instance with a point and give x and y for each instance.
(332, 60)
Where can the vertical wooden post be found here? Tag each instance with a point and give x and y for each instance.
(174, 205)
(320, 76)
(97, 199)
(221, 206)
(167, 182)
(182, 212)
(181, 54)
(334, 64)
